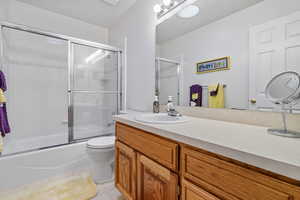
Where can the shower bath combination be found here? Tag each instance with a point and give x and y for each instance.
(61, 89)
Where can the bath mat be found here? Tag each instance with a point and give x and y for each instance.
(75, 187)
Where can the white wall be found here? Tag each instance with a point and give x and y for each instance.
(3, 10)
(138, 25)
(22, 13)
(157, 50)
(226, 37)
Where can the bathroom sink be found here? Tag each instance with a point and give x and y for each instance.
(161, 118)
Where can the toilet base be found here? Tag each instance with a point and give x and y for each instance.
(103, 174)
(101, 164)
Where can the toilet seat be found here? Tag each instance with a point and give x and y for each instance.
(102, 142)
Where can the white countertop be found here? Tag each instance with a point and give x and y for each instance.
(245, 143)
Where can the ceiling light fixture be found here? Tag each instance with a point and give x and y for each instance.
(157, 8)
(165, 7)
(189, 11)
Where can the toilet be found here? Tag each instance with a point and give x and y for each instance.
(101, 153)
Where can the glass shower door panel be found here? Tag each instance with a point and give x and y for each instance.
(95, 96)
(168, 80)
(95, 69)
(93, 114)
(37, 76)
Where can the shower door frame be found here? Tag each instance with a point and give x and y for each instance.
(158, 61)
(71, 42)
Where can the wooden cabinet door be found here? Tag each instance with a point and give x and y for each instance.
(125, 170)
(155, 182)
(193, 192)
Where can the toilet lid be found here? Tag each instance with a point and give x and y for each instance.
(102, 142)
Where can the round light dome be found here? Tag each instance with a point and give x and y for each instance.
(157, 8)
(189, 11)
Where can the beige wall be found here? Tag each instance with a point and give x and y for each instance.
(138, 26)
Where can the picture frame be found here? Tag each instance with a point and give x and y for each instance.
(214, 65)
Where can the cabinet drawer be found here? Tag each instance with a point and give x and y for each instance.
(163, 151)
(193, 192)
(222, 176)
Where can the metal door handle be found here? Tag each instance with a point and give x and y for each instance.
(65, 122)
(253, 101)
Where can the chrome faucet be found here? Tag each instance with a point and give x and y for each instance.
(171, 108)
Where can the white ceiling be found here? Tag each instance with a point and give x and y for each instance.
(97, 12)
(210, 11)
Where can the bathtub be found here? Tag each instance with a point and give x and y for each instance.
(22, 169)
(16, 146)
(13, 145)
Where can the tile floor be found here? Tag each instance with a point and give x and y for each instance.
(108, 191)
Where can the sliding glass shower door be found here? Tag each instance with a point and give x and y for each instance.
(36, 69)
(60, 89)
(95, 91)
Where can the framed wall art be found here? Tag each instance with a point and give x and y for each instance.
(214, 65)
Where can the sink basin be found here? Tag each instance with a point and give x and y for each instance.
(161, 118)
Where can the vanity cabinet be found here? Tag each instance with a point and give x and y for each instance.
(149, 167)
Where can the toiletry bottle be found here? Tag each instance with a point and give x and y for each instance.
(170, 105)
(156, 105)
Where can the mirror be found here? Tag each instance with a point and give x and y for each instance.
(167, 81)
(227, 52)
(284, 89)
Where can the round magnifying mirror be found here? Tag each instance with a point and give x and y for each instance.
(284, 89)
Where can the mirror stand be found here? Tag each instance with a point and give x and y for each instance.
(284, 132)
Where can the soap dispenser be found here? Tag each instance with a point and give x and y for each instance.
(156, 105)
(170, 105)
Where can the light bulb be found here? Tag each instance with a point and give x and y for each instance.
(167, 2)
(157, 8)
(189, 11)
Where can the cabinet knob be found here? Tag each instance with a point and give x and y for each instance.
(253, 101)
